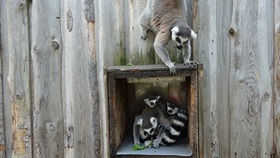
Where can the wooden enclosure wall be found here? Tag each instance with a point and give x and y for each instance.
(235, 45)
(53, 100)
(49, 75)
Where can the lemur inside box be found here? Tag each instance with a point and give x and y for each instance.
(131, 89)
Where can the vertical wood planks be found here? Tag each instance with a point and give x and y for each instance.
(276, 79)
(2, 128)
(46, 52)
(80, 91)
(205, 46)
(223, 66)
(5, 70)
(18, 79)
(250, 80)
(111, 31)
(138, 51)
(236, 89)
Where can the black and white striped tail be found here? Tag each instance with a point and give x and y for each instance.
(178, 124)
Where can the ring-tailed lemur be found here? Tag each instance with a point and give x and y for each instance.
(166, 18)
(145, 125)
(178, 121)
(157, 101)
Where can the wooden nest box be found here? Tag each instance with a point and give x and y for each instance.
(127, 88)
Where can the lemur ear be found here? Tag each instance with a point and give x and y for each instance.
(175, 30)
(140, 122)
(193, 35)
(146, 101)
(158, 97)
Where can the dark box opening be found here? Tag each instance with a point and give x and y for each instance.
(127, 88)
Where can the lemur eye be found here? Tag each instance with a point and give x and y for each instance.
(178, 39)
(145, 133)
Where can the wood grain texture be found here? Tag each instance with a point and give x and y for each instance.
(237, 86)
(2, 128)
(5, 72)
(46, 52)
(111, 31)
(80, 91)
(138, 51)
(276, 79)
(206, 53)
(18, 79)
(250, 80)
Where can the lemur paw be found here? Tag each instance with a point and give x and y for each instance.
(137, 142)
(144, 37)
(148, 143)
(172, 70)
(156, 145)
(191, 63)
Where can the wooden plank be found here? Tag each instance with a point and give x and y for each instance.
(2, 128)
(111, 31)
(205, 48)
(223, 69)
(141, 68)
(80, 91)
(138, 51)
(250, 81)
(5, 72)
(243, 76)
(46, 52)
(18, 80)
(276, 79)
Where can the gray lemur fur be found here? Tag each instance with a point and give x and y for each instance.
(166, 18)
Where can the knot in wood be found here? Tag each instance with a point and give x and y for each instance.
(22, 4)
(18, 96)
(231, 31)
(51, 128)
(55, 44)
(266, 96)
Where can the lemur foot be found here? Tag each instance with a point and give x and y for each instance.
(156, 145)
(137, 142)
(148, 143)
(191, 63)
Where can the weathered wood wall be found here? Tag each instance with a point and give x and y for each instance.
(53, 100)
(49, 69)
(235, 45)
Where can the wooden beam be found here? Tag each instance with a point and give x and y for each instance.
(276, 79)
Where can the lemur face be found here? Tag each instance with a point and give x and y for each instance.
(151, 101)
(179, 39)
(171, 109)
(154, 124)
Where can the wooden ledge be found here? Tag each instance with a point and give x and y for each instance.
(150, 71)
